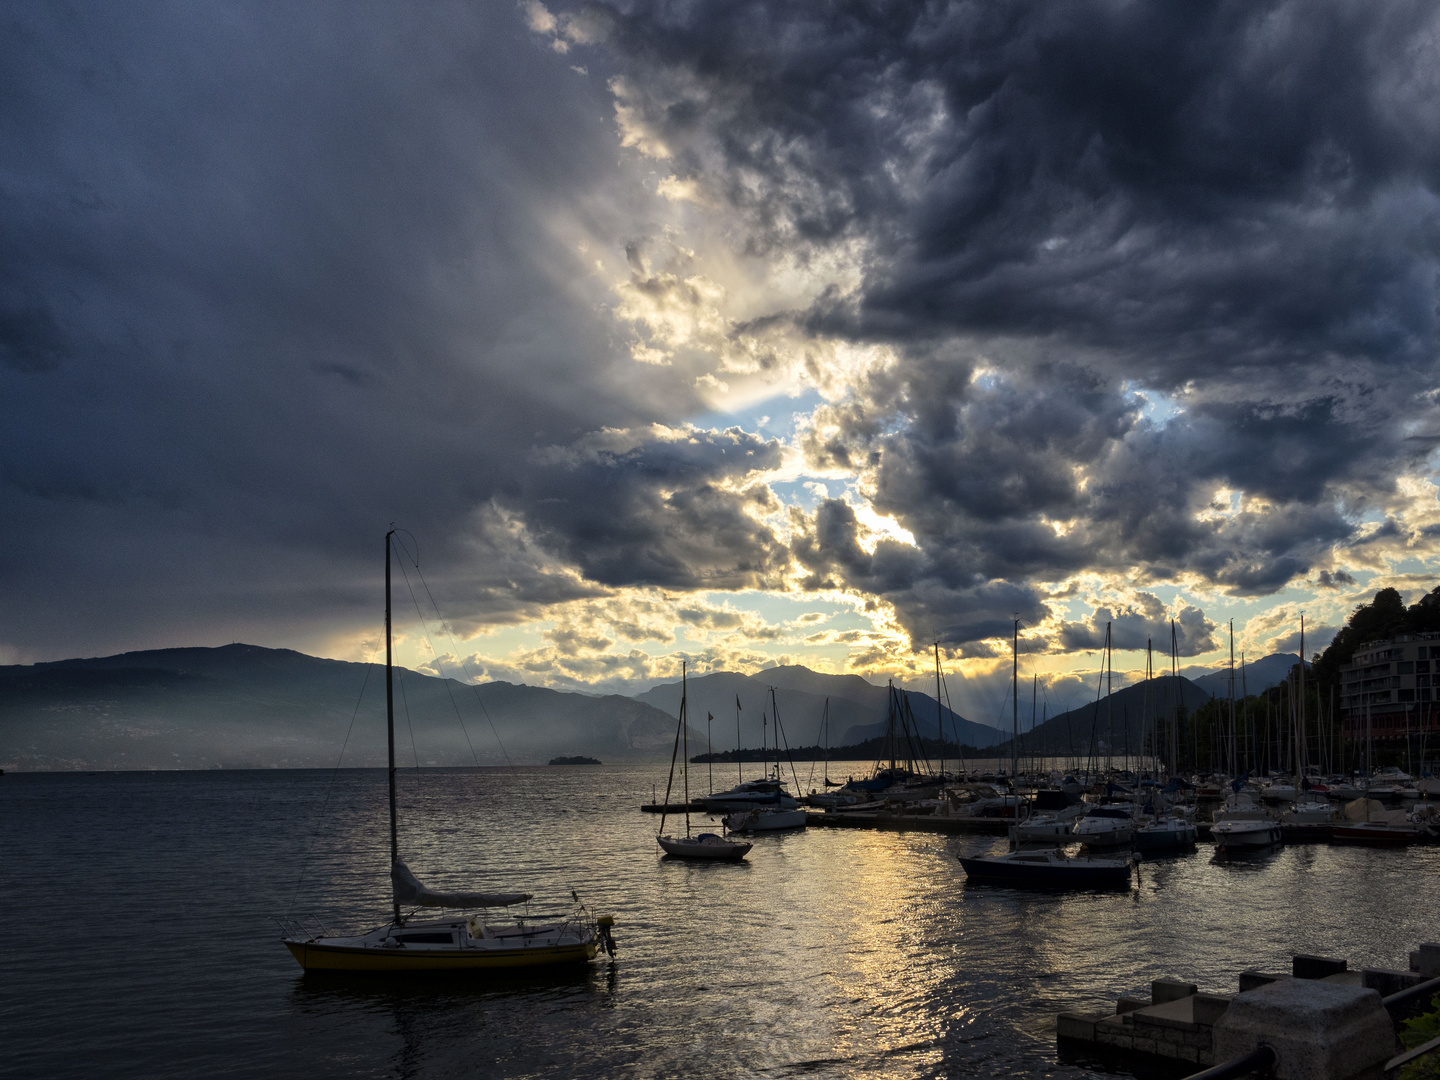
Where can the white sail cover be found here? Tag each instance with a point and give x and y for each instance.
(409, 891)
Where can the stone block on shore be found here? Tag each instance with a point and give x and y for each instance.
(1320, 1030)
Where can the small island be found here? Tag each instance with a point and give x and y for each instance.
(577, 760)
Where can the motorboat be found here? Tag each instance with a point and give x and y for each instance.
(764, 820)
(1377, 832)
(1109, 826)
(1048, 828)
(764, 794)
(1050, 869)
(1167, 833)
(454, 944)
(1241, 824)
(1366, 821)
(1311, 811)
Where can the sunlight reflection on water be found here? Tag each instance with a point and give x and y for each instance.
(829, 953)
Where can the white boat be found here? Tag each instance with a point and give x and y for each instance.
(763, 794)
(455, 944)
(1047, 827)
(1165, 834)
(708, 846)
(1311, 811)
(1109, 826)
(764, 820)
(1242, 824)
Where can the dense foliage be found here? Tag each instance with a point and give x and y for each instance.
(1384, 617)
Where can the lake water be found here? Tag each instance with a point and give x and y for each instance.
(138, 941)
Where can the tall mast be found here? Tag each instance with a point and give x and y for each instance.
(685, 735)
(939, 714)
(739, 758)
(1015, 707)
(390, 718)
(1300, 758)
(890, 726)
(1232, 697)
(1109, 702)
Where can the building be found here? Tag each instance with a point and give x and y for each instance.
(1386, 689)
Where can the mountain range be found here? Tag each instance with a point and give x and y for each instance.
(244, 706)
(857, 709)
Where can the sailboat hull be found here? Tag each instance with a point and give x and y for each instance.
(318, 955)
(716, 850)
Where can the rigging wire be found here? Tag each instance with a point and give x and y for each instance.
(425, 629)
(458, 658)
(329, 787)
(405, 703)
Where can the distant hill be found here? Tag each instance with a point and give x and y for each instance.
(1129, 711)
(242, 706)
(857, 708)
(1258, 675)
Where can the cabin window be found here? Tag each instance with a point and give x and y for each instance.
(426, 939)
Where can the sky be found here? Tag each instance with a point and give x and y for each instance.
(734, 333)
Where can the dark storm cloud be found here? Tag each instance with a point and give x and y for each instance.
(273, 276)
(937, 599)
(656, 514)
(1230, 207)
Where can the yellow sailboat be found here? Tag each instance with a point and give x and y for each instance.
(460, 942)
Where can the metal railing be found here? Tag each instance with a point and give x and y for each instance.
(1262, 1061)
(1405, 1004)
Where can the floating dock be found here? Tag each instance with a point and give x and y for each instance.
(936, 823)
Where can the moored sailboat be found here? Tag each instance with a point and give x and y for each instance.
(455, 944)
(707, 845)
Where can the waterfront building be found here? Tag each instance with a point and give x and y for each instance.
(1390, 689)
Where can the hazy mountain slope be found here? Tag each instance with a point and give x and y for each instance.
(242, 706)
(1259, 675)
(857, 707)
(1117, 721)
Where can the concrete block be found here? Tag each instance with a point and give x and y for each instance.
(1208, 1008)
(1251, 980)
(1143, 1046)
(1130, 1004)
(1321, 1030)
(1305, 966)
(1163, 990)
(1388, 981)
(1426, 961)
(1187, 1053)
(1075, 1026)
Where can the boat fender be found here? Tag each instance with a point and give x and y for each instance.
(473, 927)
